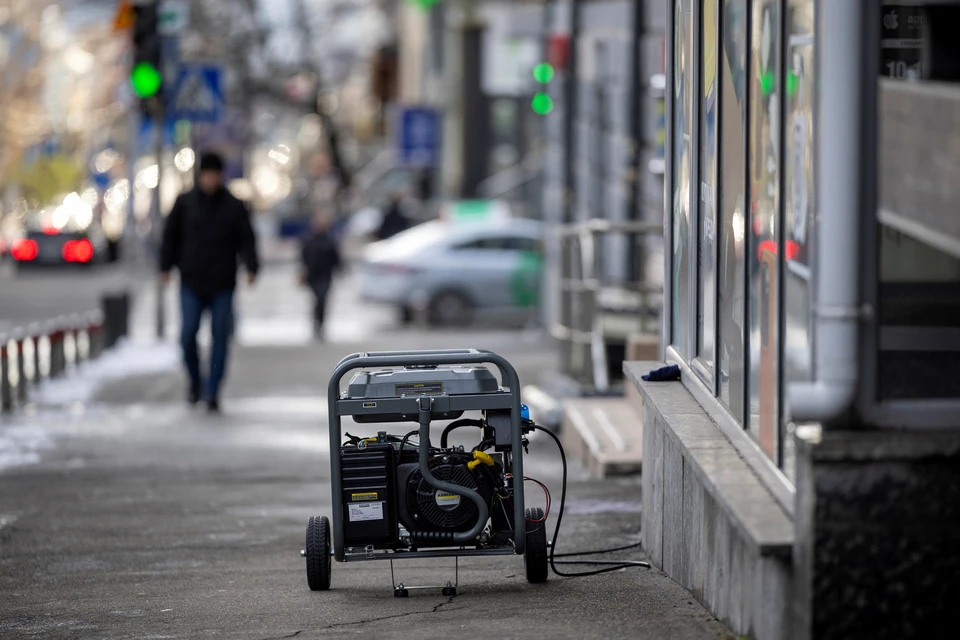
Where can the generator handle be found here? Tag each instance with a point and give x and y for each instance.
(367, 360)
(380, 354)
(438, 357)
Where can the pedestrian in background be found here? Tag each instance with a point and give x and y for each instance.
(207, 233)
(321, 259)
(394, 220)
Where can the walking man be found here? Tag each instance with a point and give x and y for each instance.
(321, 259)
(206, 233)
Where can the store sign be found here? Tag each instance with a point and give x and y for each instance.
(901, 41)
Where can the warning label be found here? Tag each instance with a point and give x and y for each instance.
(363, 497)
(419, 389)
(363, 511)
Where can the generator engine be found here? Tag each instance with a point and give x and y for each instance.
(423, 508)
(388, 502)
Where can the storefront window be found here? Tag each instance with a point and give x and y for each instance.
(799, 194)
(733, 116)
(682, 130)
(764, 225)
(706, 293)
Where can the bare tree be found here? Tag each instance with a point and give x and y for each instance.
(264, 58)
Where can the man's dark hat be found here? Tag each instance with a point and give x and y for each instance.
(210, 161)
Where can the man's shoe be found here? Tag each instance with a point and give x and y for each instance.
(193, 395)
(213, 405)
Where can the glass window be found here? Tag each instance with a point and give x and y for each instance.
(684, 34)
(764, 225)
(501, 243)
(706, 295)
(733, 116)
(798, 203)
(919, 234)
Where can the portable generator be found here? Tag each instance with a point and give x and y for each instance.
(399, 495)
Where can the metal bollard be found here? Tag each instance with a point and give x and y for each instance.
(95, 334)
(21, 339)
(116, 310)
(57, 355)
(81, 343)
(6, 395)
(72, 336)
(34, 331)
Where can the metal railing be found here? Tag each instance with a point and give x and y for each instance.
(41, 351)
(596, 311)
(513, 180)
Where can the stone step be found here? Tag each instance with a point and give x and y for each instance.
(605, 434)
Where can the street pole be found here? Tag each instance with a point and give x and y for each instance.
(157, 216)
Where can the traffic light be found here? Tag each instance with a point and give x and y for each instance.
(542, 103)
(146, 76)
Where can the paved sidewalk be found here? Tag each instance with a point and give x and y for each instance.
(146, 519)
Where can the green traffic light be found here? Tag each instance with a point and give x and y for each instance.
(542, 104)
(766, 83)
(146, 80)
(793, 82)
(543, 73)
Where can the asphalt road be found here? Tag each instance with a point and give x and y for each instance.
(141, 518)
(40, 294)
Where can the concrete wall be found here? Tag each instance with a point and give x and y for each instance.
(878, 535)
(919, 159)
(708, 522)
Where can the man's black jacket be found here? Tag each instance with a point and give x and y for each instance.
(204, 237)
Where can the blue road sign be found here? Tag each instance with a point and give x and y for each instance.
(418, 136)
(198, 94)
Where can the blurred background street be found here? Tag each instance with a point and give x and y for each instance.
(126, 512)
(717, 239)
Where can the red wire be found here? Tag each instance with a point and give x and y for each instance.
(546, 493)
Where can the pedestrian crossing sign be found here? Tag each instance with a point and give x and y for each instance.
(197, 94)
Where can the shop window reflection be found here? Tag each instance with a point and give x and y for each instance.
(733, 115)
(765, 226)
(683, 126)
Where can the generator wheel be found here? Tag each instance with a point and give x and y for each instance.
(318, 553)
(535, 555)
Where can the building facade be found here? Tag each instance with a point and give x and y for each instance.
(802, 477)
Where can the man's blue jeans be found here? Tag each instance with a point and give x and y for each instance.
(192, 307)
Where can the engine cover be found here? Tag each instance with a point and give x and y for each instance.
(423, 508)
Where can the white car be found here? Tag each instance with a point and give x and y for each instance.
(454, 271)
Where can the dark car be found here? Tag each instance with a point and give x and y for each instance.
(65, 235)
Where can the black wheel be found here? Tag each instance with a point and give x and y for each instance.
(450, 309)
(318, 553)
(449, 592)
(401, 593)
(407, 315)
(535, 555)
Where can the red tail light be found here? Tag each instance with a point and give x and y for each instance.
(78, 251)
(25, 250)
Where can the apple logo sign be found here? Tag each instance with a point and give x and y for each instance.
(890, 20)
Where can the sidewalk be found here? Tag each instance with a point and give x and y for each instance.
(143, 518)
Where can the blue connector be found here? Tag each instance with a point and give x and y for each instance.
(524, 412)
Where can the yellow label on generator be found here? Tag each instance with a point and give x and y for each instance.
(363, 497)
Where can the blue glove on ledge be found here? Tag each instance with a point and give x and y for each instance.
(663, 374)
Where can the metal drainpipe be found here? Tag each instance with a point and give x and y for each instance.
(840, 164)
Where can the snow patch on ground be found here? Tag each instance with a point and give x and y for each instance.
(21, 445)
(129, 358)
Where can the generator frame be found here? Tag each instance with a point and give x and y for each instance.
(507, 397)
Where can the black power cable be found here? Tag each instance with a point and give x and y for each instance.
(456, 424)
(616, 565)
